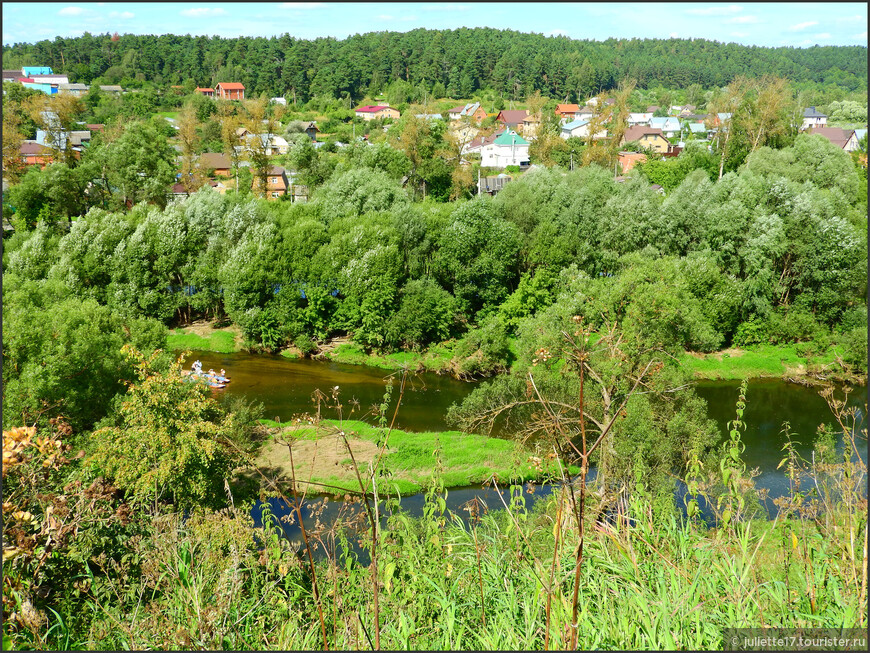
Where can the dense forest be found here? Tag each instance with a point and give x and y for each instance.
(453, 63)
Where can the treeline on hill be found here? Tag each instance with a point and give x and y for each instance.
(454, 63)
(773, 252)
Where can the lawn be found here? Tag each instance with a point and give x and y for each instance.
(223, 342)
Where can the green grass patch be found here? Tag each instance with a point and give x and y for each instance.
(754, 361)
(223, 342)
(467, 459)
(167, 114)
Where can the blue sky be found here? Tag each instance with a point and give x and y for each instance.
(765, 24)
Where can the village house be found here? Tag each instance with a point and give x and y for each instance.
(34, 153)
(580, 129)
(648, 137)
(530, 126)
(508, 149)
(373, 111)
(844, 138)
(813, 119)
(77, 90)
(474, 146)
(512, 119)
(471, 110)
(113, 89)
(670, 126)
(208, 92)
(639, 118)
(276, 183)
(567, 112)
(216, 161)
(230, 90)
(27, 71)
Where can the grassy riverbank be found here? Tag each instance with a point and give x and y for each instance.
(320, 456)
(760, 361)
(204, 336)
(435, 359)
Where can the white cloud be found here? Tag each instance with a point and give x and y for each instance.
(800, 26)
(121, 14)
(851, 19)
(301, 5)
(716, 11)
(204, 11)
(862, 35)
(743, 20)
(70, 11)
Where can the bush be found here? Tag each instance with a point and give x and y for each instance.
(751, 332)
(483, 351)
(427, 314)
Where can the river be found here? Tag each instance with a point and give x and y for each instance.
(285, 388)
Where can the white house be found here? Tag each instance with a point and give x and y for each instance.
(508, 149)
(580, 129)
(639, 119)
(813, 118)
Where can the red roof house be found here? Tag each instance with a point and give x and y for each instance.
(230, 90)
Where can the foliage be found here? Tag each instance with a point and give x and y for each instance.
(171, 440)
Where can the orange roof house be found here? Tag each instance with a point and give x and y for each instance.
(208, 92)
(230, 90)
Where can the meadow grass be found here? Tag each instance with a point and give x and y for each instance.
(223, 342)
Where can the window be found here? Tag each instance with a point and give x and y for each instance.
(275, 194)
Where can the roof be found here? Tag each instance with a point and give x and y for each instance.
(179, 189)
(74, 87)
(509, 138)
(574, 124)
(652, 108)
(513, 116)
(111, 88)
(276, 170)
(639, 131)
(204, 89)
(810, 112)
(96, 127)
(567, 108)
(214, 160)
(30, 148)
(372, 108)
(697, 127)
(836, 135)
(232, 86)
(667, 124)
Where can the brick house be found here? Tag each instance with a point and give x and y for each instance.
(567, 112)
(208, 92)
(472, 110)
(230, 90)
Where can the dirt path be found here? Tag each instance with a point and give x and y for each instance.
(324, 458)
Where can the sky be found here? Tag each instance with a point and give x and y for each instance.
(764, 24)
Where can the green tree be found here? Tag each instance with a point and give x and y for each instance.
(172, 441)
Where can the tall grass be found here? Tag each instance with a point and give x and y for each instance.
(497, 577)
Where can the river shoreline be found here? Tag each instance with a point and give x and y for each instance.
(732, 364)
